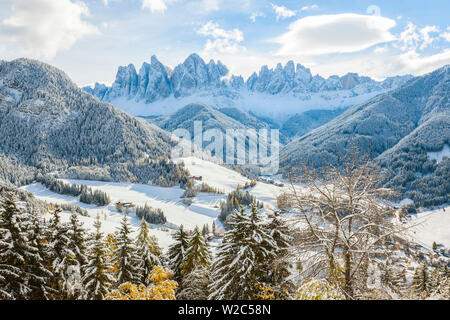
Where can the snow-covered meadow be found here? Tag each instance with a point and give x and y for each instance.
(431, 226)
(203, 210)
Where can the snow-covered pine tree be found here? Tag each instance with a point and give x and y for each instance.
(421, 281)
(205, 230)
(195, 284)
(240, 262)
(442, 291)
(147, 252)
(77, 236)
(16, 254)
(279, 276)
(97, 279)
(125, 255)
(393, 280)
(176, 253)
(197, 253)
(61, 256)
(40, 267)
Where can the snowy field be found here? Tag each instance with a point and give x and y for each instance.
(204, 209)
(432, 226)
(227, 179)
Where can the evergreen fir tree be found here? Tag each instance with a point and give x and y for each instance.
(205, 230)
(393, 279)
(61, 257)
(197, 253)
(77, 235)
(77, 246)
(242, 257)
(214, 228)
(40, 267)
(97, 279)
(279, 275)
(176, 253)
(421, 281)
(16, 255)
(195, 284)
(125, 255)
(147, 252)
(443, 288)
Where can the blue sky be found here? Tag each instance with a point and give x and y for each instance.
(89, 39)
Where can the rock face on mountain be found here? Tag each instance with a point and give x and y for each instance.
(291, 89)
(398, 129)
(48, 124)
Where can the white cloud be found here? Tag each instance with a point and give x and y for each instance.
(379, 66)
(106, 2)
(206, 6)
(446, 36)
(413, 62)
(409, 37)
(379, 50)
(339, 33)
(313, 7)
(223, 41)
(282, 12)
(210, 5)
(42, 28)
(154, 5)
(413, 38)
(255, 15)
(427, 39)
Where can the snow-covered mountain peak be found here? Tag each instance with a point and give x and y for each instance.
(288, 89)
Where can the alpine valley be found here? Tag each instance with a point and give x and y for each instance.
(94, 202)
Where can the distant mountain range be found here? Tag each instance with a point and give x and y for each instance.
(48, 125)
(276, 93)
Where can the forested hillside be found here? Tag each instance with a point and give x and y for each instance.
(48, 124)
(398, 129)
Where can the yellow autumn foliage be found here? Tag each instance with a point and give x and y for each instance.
(265, 292)
(316, 289)
(161, 288)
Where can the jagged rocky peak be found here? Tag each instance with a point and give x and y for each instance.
(303, 74)
(98, 91)
(196, 80)
(156, 84)
(281, 79)
(237, 82)
(126, 83)
(194, 74)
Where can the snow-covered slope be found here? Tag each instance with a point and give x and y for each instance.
(432, 226)
(440, 155)
(397, 129)
(167, 199)
(227, 179)
(278, 92)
